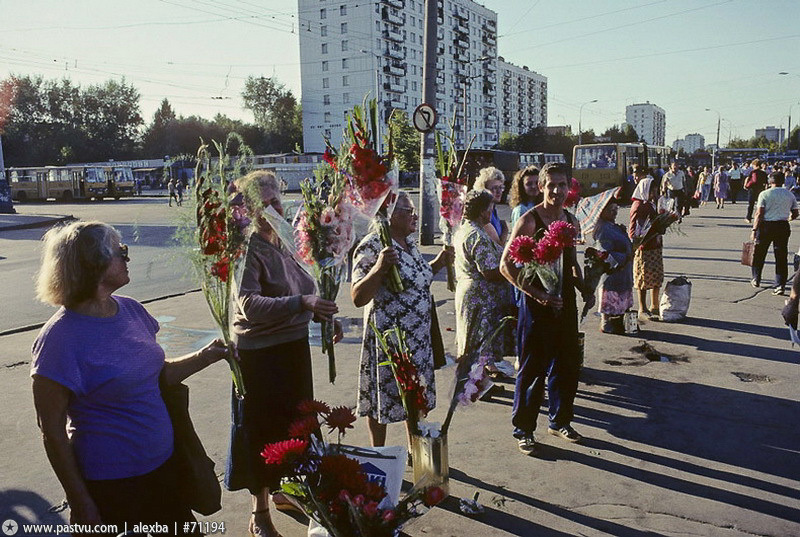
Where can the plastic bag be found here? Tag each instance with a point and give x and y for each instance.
(675, 299)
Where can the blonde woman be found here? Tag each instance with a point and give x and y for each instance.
(493, 180)
(96, 368)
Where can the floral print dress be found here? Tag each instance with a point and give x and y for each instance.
(478, 300)
(411, 311)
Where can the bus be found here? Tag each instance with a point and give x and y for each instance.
(741, 155)
(67, 183)
(598, 167)
(539, 159)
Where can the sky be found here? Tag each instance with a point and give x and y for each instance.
(683, 55)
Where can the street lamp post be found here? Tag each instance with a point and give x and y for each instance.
(465, 80)
(716, 149)
(580, 118)
(377, 95)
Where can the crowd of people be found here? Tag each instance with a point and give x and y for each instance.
(97, 367)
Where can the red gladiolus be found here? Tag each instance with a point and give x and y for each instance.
(304, 427)
(329, 158)
(285, 452)
(220, 269)
(432, 496)
(312, 406)
(340, 418)
(522, 250)
(371, 509)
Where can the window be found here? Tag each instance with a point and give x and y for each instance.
(324, 48)
(326, 99)
(344, 45)
(344, 27)
(323, 31)
(413, 85)
(345, 63)
(345, 81)
(323, 13)
(327, 133)
(325, 66)
(327, 117)
(326, 82)
(346, 98)
(342, 10)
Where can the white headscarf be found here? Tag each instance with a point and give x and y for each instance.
(642, 191)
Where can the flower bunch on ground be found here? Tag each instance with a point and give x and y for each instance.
(536, 257)
(220, 234)
(409, 383)
(332, 488)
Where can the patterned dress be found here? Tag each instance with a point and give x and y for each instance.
(478, 300)
(411, 311)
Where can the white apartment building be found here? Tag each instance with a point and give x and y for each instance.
(522, 98)
(771, 133)
(649, 122)
(690, 144)
(349, 48)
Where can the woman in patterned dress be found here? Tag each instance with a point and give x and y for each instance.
(481, 290)
(410, 310)
(648, 261)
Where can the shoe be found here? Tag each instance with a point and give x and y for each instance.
(527, 445)
(654, 315)
(282, 503)
(755, 283)
(644, 315)
(778, 291)
(567, 433)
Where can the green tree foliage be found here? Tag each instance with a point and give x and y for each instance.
(276, 111)
(406, 141)
(55, 121)
(621, 134)
(761, 141)
(170, 135)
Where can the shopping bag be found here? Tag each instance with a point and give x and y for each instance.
(748, 249)
(675, 300)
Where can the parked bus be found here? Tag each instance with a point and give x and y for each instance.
(67, 183)
(599, 167)
(539, 159)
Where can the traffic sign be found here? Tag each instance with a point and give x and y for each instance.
(424, 118)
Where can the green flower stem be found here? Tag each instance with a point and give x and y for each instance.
(394, 283)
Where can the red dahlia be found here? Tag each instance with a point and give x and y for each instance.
(340, 418)
(285, 452)
(312, 406)
(521, 251)
(304, 427)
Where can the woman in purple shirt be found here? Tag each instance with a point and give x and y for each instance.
(96, 368)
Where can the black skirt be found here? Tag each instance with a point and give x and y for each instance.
(276, 380)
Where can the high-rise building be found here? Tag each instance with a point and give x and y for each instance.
(773, 134)
(350, 48)
(694, 142)
(649, 122)
(522, 99)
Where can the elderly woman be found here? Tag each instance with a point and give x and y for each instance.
(96, 368)
(721, 187)
(616, 285)
(480, 283)
(524, 193)
(492, 179)
(648, 261)
(410, 310)
(276, 301)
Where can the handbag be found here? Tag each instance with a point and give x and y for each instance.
(748, 249)
(198, 485)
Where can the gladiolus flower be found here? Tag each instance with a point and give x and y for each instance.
(389, 515)
(220, 269)
(371, 509)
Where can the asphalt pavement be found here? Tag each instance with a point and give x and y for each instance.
(690, 428)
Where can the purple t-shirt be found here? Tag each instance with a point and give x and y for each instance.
(118, 423)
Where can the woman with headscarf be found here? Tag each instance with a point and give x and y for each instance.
(598, 216)
(648, 261)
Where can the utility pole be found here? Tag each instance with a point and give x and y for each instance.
(427, 190)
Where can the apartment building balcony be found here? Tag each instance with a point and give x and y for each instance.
(489, 39)
(398, 4)
(394, 88)
(491, 92)
(460, 12)
(393, 35)
(490, 23)
(396, 70)
(394, 104)
(461, 26)
(393, 18)
(491, 118)
(462, 43)
(491, 66)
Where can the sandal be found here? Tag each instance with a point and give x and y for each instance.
(494, 374)
(256, 531)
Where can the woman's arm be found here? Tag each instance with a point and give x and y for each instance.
(492, 232)
(178, 369)
(365, 289)
(50, 400)
(443, 258)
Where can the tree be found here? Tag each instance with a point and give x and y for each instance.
(157, 140)
(621, 134)
(405, 139)
(276, 111)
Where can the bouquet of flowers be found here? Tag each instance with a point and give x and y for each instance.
(409, 384)
(574, 194)
(452, 187)
(540, 257)
(332, 488)
(323, 236)
(369, 172)
(220, 235)
(595, 263)
(652, 228)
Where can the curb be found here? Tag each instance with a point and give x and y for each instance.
(42, 223)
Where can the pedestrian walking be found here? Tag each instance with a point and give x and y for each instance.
(755, 185)
(173, 192)
(721, 187)
(775, 207)
(673, 186)
(735, 182)
(179, 187)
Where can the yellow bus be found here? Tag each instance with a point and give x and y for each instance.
(599, 167)
(67, 183)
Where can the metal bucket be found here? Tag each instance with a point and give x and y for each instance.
(630, 321)
(429, 456)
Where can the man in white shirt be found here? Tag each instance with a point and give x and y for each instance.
(673, 186)
(775, 206)
(735, 181)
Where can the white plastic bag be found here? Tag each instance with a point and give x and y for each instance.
(675, 299)
(665, 204)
